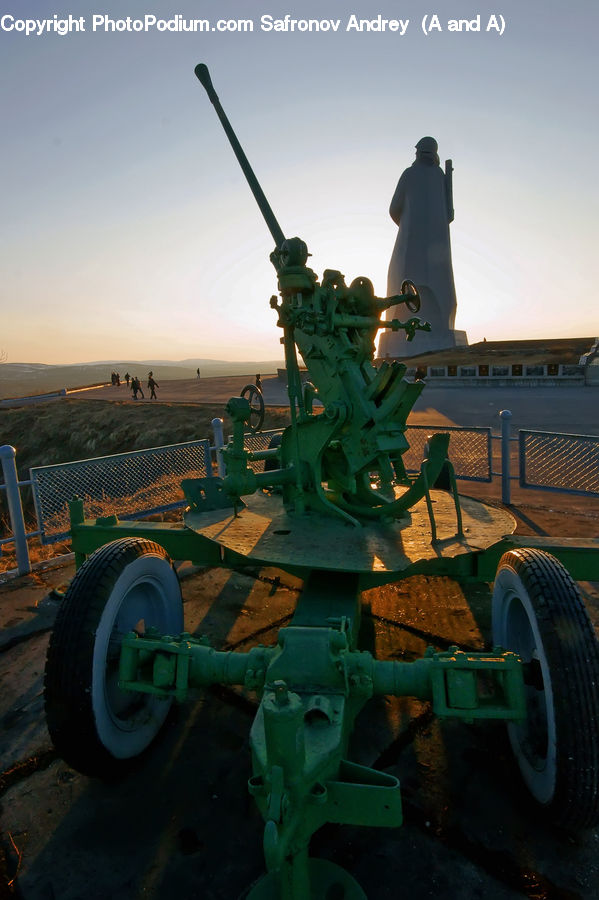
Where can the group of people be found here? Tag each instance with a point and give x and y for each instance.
(134, 384)
(136, 387)
(115, 379)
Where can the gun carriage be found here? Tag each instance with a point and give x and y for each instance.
(335, 506)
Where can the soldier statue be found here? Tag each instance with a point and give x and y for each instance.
(422, 207)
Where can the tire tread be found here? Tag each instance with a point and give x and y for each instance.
(68, 672)
(572, 652)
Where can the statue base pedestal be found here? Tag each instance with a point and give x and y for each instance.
(394, 345)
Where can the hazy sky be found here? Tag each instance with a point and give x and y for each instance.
(129, 231)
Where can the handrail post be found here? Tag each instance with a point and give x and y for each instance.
(505, 416)
(15, 507)
(219, 443)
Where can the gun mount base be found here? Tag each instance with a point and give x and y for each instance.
(266, 535)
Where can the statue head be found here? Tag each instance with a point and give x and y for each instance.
(426, 151)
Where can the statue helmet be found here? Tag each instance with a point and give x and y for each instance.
(427, 145)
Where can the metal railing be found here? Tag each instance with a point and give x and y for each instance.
(12, 487)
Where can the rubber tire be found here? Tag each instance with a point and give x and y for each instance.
(539, 613)
(96, 728)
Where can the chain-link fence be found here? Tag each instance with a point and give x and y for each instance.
(469, 449)
(126, 484)
(559, 462)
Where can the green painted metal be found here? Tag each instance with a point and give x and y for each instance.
(343, 465)
(451, 680)
(178, 541)
(299, 739)
(346, 461)
(579, 555)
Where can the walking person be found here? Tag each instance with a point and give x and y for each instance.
(127, 377)
(136, 387)
(198, 372)
(152, 384)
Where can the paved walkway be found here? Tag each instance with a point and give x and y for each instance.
(573, 410)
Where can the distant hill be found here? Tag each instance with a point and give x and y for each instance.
(23, 379)
(232, 368)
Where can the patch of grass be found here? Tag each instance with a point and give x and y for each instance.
(68, 430)
(38, 553)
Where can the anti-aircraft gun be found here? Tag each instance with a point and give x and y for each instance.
(336, 507)
(347, 461)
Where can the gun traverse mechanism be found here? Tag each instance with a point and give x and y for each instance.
(347, 461)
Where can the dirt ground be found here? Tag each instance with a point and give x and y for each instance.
(182, 823)
(200, 390)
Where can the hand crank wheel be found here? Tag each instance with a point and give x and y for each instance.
(256, 401)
